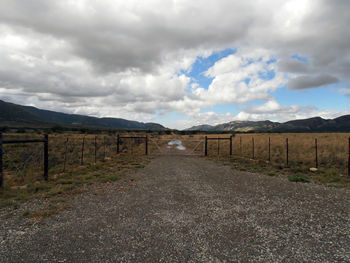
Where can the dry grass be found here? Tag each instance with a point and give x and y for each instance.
(24, 162)
(332, 149)
(23, 167)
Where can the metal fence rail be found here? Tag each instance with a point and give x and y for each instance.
(45, 141)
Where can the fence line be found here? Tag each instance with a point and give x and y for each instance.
(93, 150)
(55, 161)
(287, 152)
(46, 154)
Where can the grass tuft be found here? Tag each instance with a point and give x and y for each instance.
(299, 178)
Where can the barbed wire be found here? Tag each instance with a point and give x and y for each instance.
(19, 169)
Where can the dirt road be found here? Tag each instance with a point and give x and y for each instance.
(181, 209)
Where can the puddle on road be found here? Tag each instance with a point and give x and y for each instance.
(178, 143)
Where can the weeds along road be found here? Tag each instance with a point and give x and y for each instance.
(180, 209)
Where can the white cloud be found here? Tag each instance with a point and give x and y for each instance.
(129, 59)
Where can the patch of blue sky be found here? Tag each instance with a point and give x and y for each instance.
(202, 64)
(324, 98)
(267, 75)
(272, 60)
(300, 58)
(169, 117)
(254, 103)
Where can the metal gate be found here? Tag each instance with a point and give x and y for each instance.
(176, 146)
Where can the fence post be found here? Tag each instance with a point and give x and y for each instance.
(218, 146)
(104, 147)
(46, 157)
(65, 156)
(231, 145)
(240, 145)
(1, 168)
(146, 146)
(349, 159)
(95, 147)
(82, 151)
(253, 147)
(287, 152)
(269, 149)
(118, 142)
(206, 146)
(316, 153)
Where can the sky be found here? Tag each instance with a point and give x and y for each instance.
(179, 63)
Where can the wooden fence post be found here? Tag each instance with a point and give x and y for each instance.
(287, 152)
(65, 156)
(82, 151)
(316, 153)
(269, 149)
(206, 146)
(46, 157)
(231, 145)
(95, 148)
(118, 142)
(1, 168)
(253, 147)
(146, 146)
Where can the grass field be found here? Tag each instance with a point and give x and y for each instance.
(332, 156)
(23, 163)
(23, 166)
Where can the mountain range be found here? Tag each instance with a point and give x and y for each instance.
(316, 124)
(18, 116)
(15, 115)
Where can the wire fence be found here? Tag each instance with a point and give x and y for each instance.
(324, 150)
(67, 152)
(25, 160)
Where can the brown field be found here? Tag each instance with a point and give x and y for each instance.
(23, 167)
(332, 149)
(23, 163)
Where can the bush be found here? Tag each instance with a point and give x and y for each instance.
(299, 178)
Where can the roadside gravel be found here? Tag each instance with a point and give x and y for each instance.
(181, 209)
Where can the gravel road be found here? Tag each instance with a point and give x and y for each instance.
(181, 209)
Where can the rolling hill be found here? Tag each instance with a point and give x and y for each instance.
(17, 115)
(316, 124)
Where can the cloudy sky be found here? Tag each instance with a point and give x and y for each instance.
(178, 62)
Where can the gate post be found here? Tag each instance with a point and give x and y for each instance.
(1, 169)
(146, 141)
(349, 158)
(206, 146)
(269, 149)
(316, 154)
(231, 145)
(287, 152)
(46, 157)
(118, 141)
(95, 153)
(82, 151)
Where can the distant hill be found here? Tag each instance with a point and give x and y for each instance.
(316, 124)
(17, 115)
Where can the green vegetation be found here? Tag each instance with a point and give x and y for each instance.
(62, 187)
(326, 176)
(299, 178)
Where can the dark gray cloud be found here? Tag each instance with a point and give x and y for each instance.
(294, 66)
(307, 82)
(82, 54)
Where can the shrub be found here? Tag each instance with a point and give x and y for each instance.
(299, 178)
